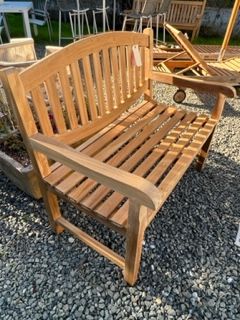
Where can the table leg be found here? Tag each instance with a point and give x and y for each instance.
(26, 22)
(6, 28)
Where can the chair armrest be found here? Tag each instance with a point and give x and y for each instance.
(198, 84)
(130, 185)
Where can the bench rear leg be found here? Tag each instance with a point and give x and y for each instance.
(137, 219)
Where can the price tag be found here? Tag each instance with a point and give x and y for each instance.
(237, 242)
(136, 56)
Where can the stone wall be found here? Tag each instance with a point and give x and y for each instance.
(215, 21)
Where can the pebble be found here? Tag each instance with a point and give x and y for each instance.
(71, 240)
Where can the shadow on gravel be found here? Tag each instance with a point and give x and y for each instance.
(208, 103)
(189, 259)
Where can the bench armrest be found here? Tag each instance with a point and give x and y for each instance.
(130, 185)
(198, 84)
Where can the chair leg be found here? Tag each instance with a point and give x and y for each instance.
(124, 23)
(53, 210)
(87, 23)
(135, 25)
(137, 223)
(95, 30)
(59, 27)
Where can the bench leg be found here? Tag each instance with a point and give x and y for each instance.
(203, 154)
(53, 210)
(136, 226)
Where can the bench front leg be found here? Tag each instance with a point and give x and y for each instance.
(52, 207)
(137, 223)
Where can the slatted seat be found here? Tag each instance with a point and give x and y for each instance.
(113, 157)
(169, 136)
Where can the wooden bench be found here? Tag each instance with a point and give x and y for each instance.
(113, 159)
(185, 15)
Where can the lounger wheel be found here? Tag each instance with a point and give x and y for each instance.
(179, 96)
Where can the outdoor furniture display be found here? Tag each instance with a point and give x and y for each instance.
(40, 15)
(78, 18)
(19, 7)
(113, 159)
(225, 71)
(64, 6)
(144, 12)
(100, 11)
(207, 52)
(182, 14)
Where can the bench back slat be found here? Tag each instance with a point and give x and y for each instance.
(83, 87)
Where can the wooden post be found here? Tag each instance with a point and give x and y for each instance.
(137, 223)
(229, 30)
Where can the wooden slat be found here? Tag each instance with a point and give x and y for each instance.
(116, 76)
(79, 93)
(107, 207)
(108, 79)
(130, 70)
(171, 152)
(103, 139)
(129, 156)
(56, 107)
(123, 69)
(68, 99)
(110, 149)
(41, 111)
(99, 83)
(92, 109)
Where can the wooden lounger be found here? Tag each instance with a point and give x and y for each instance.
(225, 71)
(207, 52)
(113, 158)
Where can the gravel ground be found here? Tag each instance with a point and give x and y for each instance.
(190, 264)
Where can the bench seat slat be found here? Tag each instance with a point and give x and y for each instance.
(152, 159)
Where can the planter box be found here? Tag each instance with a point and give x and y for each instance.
(23, 177)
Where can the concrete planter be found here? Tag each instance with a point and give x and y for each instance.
(23, 177)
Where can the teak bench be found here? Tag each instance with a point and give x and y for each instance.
(115, 160)
(183, 14)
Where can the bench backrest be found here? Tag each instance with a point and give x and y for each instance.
(83, 87)
(18, 50)
(185, 11)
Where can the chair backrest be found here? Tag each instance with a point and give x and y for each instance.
(67, 5)
(40, 5)
(185, 11)
(149, 7)
(83, 87)
(163, 6)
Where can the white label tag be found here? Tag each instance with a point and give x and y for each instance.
(136, 57)
(237, 242)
